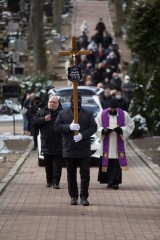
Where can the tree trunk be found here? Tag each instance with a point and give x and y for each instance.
(119, 17)
(30, 28)
(57, 15)
(38, 35)
(62, 6)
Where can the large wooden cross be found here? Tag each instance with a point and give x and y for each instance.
(74, 53)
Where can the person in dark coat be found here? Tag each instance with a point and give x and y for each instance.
(36, 105)
(112, 62)
(104, 99)
(122, 103)
(26, 115)
(107, 40)
(77, 148)
(99, 74)
(100, 28)
(127, 89)
(51, 141)
(116, 81)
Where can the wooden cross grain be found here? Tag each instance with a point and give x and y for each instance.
(74, 53)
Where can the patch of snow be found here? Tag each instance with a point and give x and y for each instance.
(3, 147)
(158, 148)
(8, 118)
(10, 136)
(4, 151)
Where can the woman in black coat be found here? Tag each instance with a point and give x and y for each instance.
(51, 141)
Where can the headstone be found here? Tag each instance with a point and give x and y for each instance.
(3, 147)
(23, 58)
(18, 70)
(21, 44)
(13, 27)
(13, 91)
(2, 75)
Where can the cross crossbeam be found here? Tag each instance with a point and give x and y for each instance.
(74, 52)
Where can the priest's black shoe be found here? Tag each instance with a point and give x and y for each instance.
(84, 202)
(56, 186)
(49, 185)
(115, 186)
(74, 201)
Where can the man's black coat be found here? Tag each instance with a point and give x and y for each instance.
(51, 141)
(88, 127)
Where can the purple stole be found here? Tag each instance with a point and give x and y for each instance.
(120, 142)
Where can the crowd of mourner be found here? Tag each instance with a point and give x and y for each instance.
(102, 67)
(112, 125)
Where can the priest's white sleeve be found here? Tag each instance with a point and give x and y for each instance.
(128, 126)
(98, 120)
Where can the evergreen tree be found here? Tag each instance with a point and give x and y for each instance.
(143, 38)
(152, 101)
(143, 31)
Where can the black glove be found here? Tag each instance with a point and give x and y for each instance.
(106, 131)
(118, 130)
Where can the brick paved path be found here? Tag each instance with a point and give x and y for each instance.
(30, 211)
(91, 11)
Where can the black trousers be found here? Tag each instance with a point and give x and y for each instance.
(72, 164)
(34, 133)
(113, 176)
(114, 172)
(53, 167)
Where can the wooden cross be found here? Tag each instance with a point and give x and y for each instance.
(11, 62)
(74, 53)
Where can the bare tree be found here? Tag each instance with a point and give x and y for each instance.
(119, 16)
(36, 33)
(58, 9)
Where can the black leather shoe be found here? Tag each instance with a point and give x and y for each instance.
(109, 186)
(115, 186)
(56, 186)
(84, 202)
(74, 201)
(49, 185)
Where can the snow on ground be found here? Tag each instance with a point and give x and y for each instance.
(8, 118)
(10, 136)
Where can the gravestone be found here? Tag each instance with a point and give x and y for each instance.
(3, 147)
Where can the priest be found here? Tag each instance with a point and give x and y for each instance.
(114, 126)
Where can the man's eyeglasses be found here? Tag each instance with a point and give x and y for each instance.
(52, 102)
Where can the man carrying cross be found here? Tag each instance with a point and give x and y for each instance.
(77, 126)
(77, 148)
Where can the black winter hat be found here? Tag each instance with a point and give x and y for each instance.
(113, 103)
